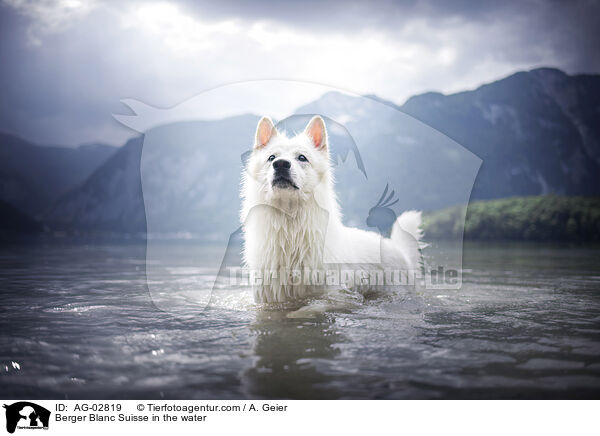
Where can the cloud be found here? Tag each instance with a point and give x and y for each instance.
(50, 16)
(68, 63)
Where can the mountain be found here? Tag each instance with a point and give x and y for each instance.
(191, 173)
(32, 177)
(535, 132)
(14, 223)
(110, 199)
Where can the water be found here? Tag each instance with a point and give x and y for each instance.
(77, 321)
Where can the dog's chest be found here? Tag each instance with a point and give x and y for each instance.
(281, 240)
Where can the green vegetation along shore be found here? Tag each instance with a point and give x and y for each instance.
(539, 218)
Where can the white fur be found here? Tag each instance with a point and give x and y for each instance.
(301, 229)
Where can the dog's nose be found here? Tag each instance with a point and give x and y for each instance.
(281, 164)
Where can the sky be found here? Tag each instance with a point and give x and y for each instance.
(67, 64)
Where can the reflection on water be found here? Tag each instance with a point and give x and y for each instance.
(77, 321)
(288, 355)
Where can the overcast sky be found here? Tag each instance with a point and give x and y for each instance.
(65, 65)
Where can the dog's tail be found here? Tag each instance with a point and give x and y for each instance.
(408, 234)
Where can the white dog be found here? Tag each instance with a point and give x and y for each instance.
(293, 227)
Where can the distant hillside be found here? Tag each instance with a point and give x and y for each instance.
(32, 176)
(537, 132)
(109, 200)
(15, 224)
(192, 177)
(539, 218)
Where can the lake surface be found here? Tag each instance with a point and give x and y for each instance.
(78, 321)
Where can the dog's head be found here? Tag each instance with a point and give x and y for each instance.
(289, 167)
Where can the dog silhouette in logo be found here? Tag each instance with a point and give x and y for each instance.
(31, 413)
(382, 215)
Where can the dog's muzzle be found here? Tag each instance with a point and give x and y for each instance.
(282, 177)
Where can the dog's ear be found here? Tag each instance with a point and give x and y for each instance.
(264, 132)
(317, 132)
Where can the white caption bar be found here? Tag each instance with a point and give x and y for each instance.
(298, 417)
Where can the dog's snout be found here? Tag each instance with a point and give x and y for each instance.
(281, 164)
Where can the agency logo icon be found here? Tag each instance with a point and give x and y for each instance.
(385, 164)
(26, 415)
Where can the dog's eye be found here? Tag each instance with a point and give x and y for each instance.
(271, 158)
(302, 158)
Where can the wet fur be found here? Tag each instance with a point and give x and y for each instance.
(298, 229)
